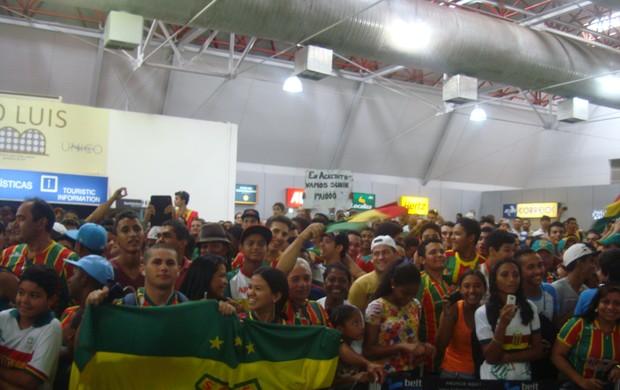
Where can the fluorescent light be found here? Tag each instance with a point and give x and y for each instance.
(478, 115)
(410, 35)
(610, 84)
(293, 85)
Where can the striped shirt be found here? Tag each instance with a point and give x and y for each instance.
(430, 295)
(592, 351)
(16, 259)
(455, 266)
(309, 314)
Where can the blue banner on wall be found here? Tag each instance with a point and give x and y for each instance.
(53, 187)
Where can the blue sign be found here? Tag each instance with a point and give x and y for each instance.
(53, 187)
(510, 210)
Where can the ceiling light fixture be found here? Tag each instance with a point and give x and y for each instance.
(293, 85)
(478, 115)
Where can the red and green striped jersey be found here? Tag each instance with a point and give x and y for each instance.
(592, 351)
(430, 295)
(309, 314)
(67, 316)
(16, 259)
(455, 266)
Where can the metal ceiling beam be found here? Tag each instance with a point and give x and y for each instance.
(174, 47)
(190, 36)
(553, 12)
(94, 87)
(383, 72)
(445, 131)
(559, 22)
(245, 53)
(345, 133)
(82, 32)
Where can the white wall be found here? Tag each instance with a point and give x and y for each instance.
(159, 155)
(448, 198)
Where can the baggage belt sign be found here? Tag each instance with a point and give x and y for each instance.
(328, 188)
(537, 210)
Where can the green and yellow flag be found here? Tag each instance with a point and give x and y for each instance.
(192, 346)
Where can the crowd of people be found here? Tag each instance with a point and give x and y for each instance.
(412, 297)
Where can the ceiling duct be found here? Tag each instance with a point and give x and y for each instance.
(460, 42)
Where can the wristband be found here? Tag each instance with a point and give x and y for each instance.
(496, 340)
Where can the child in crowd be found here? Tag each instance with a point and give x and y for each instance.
(349, 321)
(30, 336)
(393, 319)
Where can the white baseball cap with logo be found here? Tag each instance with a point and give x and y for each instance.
(383, 240)
(576, 252)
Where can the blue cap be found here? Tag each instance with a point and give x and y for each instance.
(91, 235)
(96, 267)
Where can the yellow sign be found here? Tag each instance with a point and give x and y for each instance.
(415, 204)
(537, 210)
(48, 136)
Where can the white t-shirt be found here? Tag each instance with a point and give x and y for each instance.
(34, 349)
(517, 337)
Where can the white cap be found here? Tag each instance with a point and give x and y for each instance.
(152, 234)
(59, 228)
(576, 252)
(383, 240)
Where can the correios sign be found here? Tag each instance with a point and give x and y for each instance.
(537, 210)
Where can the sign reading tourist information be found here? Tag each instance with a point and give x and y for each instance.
(245, 193)
(537, 210)
(328, 188)
(53, 187)
(363, 201)
(294, 197)
(415, 204)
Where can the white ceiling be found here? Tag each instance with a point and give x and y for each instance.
(394, 129)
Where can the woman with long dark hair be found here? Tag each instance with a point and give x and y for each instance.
(267, 294)
(508, 327)
(587, 352)
(456, 325)
(205, 279)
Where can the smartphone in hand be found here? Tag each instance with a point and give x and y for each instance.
(511, 299)
(455, 297)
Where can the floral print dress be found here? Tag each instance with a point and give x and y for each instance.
(397, 324)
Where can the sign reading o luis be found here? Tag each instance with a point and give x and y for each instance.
(537, 210)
